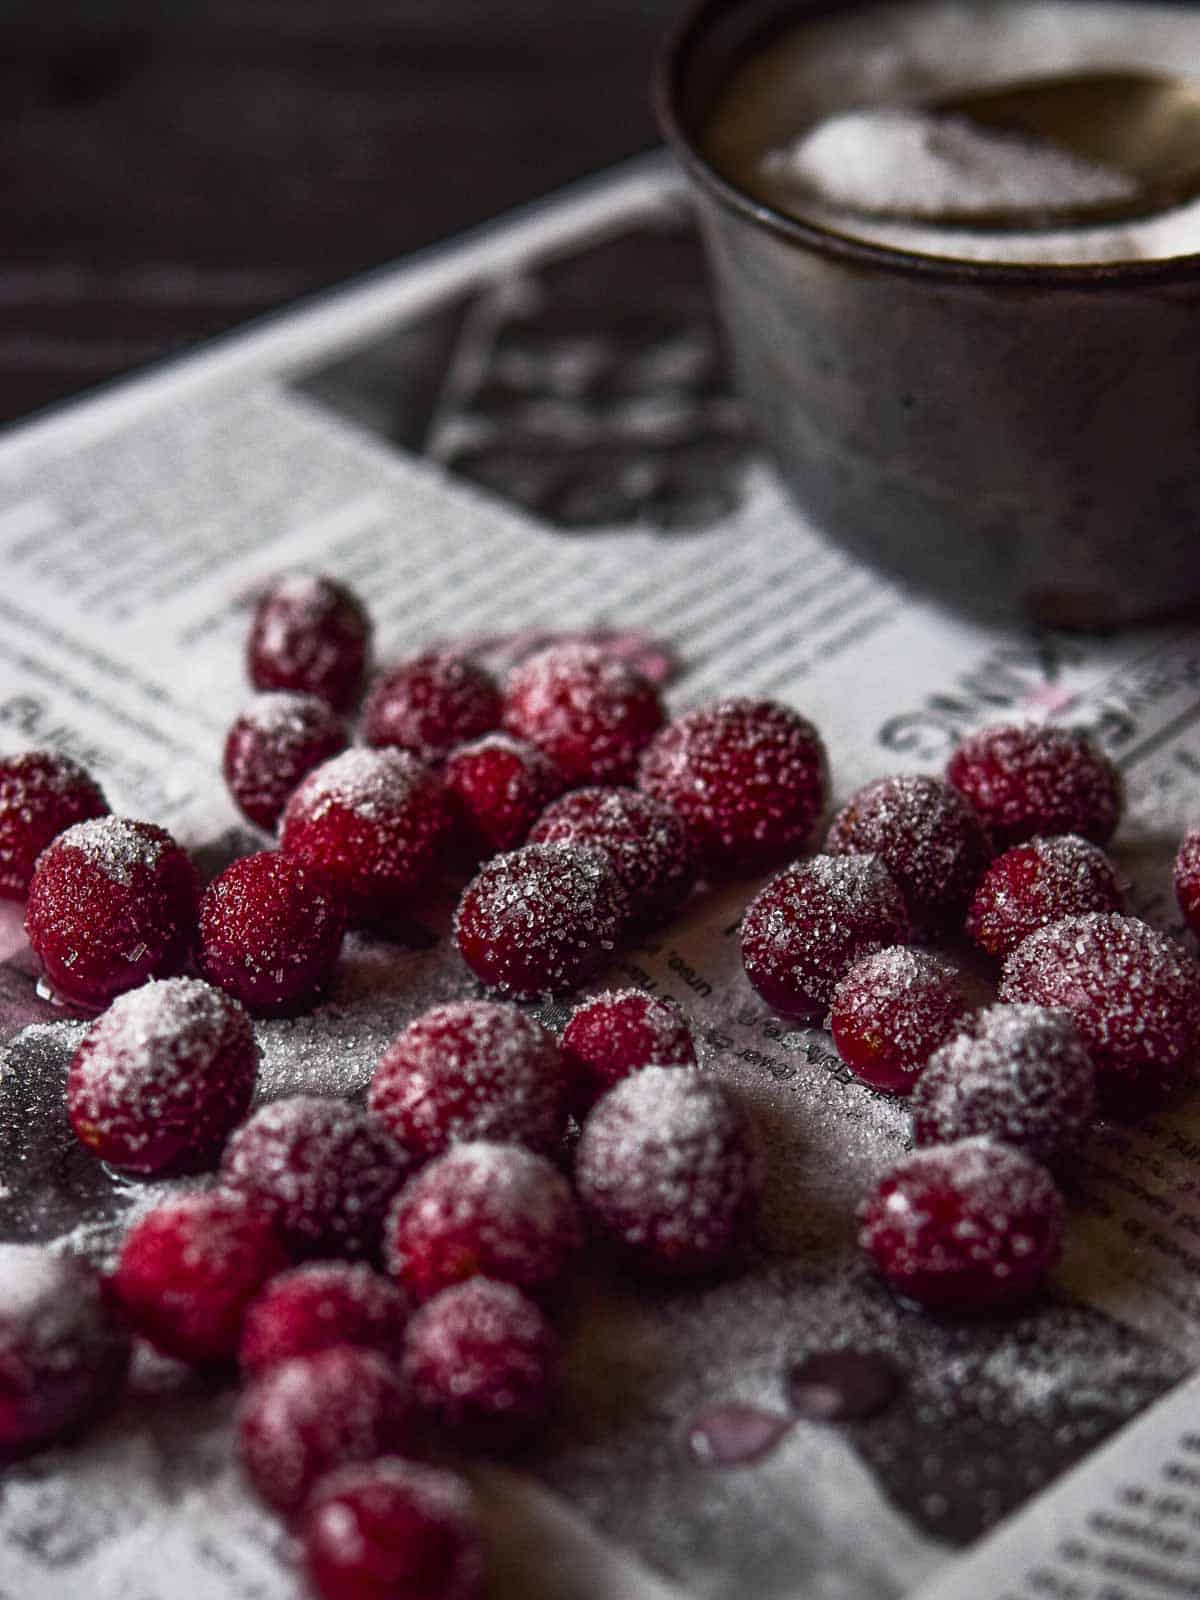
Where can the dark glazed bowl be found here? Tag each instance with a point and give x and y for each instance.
(1009, 439)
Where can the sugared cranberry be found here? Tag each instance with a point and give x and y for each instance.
(323, 1170)
(270, 932)
(891, 1011)
(392, 1530)
(498, 787)
(967, 1227)
(312, 635)
(162, 1078)
(1024, 781)
(273, 745)
(619, 1032)
(319, 1305)
(472, 1069)
(190, 1268)
(666, 1171)
(538, 920)
(926, 834)
(111, 903)
(1134, 995)
(587, 711)
(482, 1361)
(430, 704)
(373, 823)
(63, 1350)
(1187, 880)
(307, 1416)
(1037, 883)
(748, 779)
(812, 922)
(42, 793)
(483, 1209)
(642, 837)
(1018, 1074)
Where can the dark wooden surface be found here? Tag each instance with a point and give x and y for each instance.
(173, 167)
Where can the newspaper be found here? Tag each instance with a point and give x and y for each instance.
(526, 433)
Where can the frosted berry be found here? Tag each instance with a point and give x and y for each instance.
(619, 1032)
(373, 823)
(1040, 882)
(812, 922)
(747, 778)
(483, 1362)
(310, 1415)
(538, 920)
(63, 1349)
(319, 1305)
(967, 1227)
(1134, 994)
(642, 837)
(1187, 880)
(189, 1269)
(274, 744)
(1024, 781)
(111, 903)
(472, 1069)
(270, 933)
(666, 1171)
(309, 634)
(483, 1209)
(1018, 1074)
(891, 1011)
(930, 840)
(430, 704)
(42, 793)
(323, 1170)
(163, 1077)
(393, 1530)
(585, 709)
(498, 786)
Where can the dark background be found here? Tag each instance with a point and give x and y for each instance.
(173, 167)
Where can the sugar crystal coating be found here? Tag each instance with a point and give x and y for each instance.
(618, 1032)
(892, 1010)
(318, 1305)
(310, 634)
(498, 786)
(430, 704)
(585, 709)
(272, 745)
(1187, 879)
(1024, 781)
(1040, 882)
(42, 793)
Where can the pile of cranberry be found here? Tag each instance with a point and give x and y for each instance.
(386, 1277)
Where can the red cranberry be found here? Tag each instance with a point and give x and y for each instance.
(190, 1268)
(392, 1530)
(274, 744)
(666, 1171)
(1020, 1075)
(472, 1069)
(312, 635)
(930, 840)
(891, 1011)
(162, 1078)
(324, 1171)
(63, 1351)
(588, 711)
(307, 1416)
(1187, 880)
(430, 704)
(1024, 781)
(642, 837)
(1134, 995)
(967, 1227)
(619, 1032)
(812, 922)
(498, 787)
(270, 933)
(373, 823)
(1037, 883)
(482, 1361)
(42, 793)
(483, 1209)
(748, 779)
(314, 1307)
(111, 903)
(538, 920)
